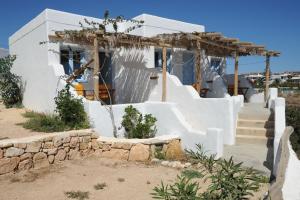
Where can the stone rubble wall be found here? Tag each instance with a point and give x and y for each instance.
(42, 150)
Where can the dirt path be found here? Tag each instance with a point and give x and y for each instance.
(9, 118)
(50, 184)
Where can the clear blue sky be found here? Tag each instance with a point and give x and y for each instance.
(274, 23)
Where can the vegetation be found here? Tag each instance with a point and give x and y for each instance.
(77, 195)
(100, 186)
(228, 180)
(137, 125)
(10, 84)
(71, 115)
(70, 110)
(293, 119)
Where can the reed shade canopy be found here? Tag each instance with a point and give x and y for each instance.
(213, 43)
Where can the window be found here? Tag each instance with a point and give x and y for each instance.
(158, 59)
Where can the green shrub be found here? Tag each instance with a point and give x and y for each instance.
(138, 126)
(70, 110)
(293, 119)
(77, 195)
(10, 84)
(43, 123)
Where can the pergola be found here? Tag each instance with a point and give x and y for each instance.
(213, 43)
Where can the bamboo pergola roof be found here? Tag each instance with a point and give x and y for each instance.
(214, 43)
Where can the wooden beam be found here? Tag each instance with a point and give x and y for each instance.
(164, 74)
(198, 69)
(96, 69)
(236, 74)
(267, 77)
(79, 71)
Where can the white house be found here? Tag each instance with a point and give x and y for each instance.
(211, 121)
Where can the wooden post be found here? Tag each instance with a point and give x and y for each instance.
(96, 69)
(267, 77)
(198, 70)
(236, 74)
(164, 74)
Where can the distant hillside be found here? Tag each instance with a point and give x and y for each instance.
(3, 52)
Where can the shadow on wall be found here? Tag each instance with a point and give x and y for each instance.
(131, 77)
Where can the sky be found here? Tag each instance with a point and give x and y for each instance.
(273, 23)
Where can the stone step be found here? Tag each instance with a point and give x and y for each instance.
(255, 123)
(256, 116)
(246, 139)
(250, 131)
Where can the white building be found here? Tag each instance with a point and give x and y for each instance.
(211, 121)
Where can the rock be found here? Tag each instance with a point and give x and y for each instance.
(61, 155)
(66, 145)
(58, 141)
(106, 147)
(86, 152)
(25, 164)
(83, 145)
(139, 152)
(87, 139)
(8, 164)
(67, 149)
(74, 141)
(48, 145)
(155, 161)
(174, 151)
(13, 151)
(95, 144)
(33, 147)
(25, 156)
(74, 154)
(186, 165)
(119, 154)
(1, 153)
(98, 152)
(66, 139)
(51, 159)
(121, 145)
(51, 151)
(165, 163)
(40, 160)
(20, 145)
(176, 164)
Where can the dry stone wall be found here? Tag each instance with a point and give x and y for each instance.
(43, 150)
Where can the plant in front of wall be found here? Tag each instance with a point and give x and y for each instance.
(10, 84)
(70, 110)
(137, 125)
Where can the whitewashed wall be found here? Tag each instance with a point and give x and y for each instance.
(170, 121)
(201, 113)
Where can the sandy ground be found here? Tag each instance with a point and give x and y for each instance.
(9, 118)
(52, 183)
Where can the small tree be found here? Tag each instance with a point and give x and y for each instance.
(138, 126)
(70, 109)
(10, 84)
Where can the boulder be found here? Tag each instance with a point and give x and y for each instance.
(25, 164)
(74, 141)
(20, 145)
(174, 151)
(74, 154)
(51, 159)
(25, 156)
(51, 151)
(48, 145)
(121, 145)
(119, 154)
(13, 151)
(139, 152)
(40, 160)
(61, 155)
(95, 144)
(83, 145)
(8, 164)
(33, 147)
(58, 141)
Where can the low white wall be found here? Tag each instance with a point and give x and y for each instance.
(201, 113)
(291, 185)
(170, 121)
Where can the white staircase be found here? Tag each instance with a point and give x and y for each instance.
(255, 125)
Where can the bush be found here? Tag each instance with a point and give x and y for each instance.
(10, 84)
(70, 110)
(43, 123)
(138, 126)
(293, 119)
